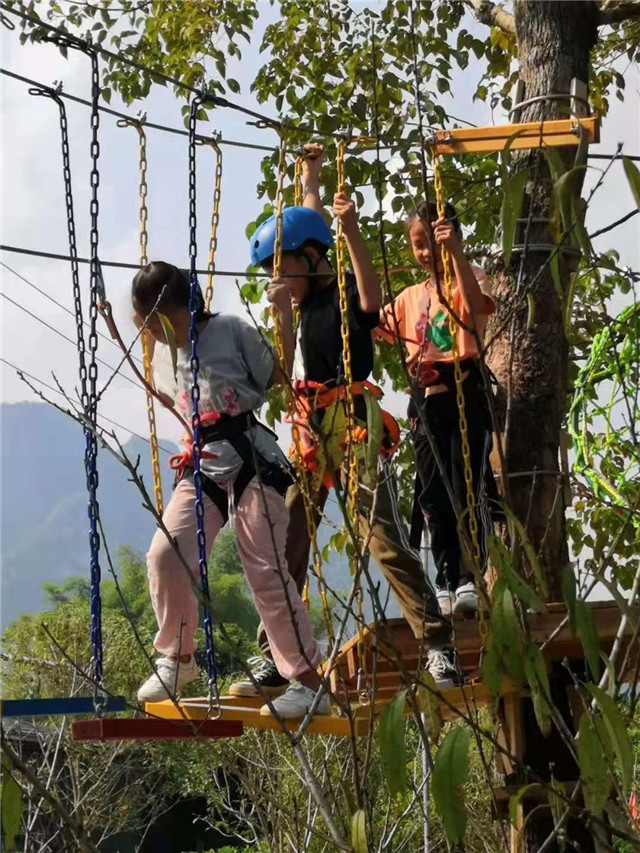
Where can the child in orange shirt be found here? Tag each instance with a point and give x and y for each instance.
(421, 321)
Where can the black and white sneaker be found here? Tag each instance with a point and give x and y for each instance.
(269, 682)
(441, 666)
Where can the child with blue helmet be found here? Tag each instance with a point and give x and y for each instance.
(314, 357)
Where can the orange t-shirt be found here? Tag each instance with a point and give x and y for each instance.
(422, 324)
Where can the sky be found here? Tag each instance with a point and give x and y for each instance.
(33, 212)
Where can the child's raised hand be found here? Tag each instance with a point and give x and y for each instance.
(279, 295)
(313, 158)
(445, 234)
(344, 209)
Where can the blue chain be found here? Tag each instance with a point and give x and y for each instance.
(194, 307)
(91, 453)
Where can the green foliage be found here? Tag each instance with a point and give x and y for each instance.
(11, 806)
(391, 740)
(594, 768)
(359, 832)
(617, 732)
(511, 209)
(589, 636)
(450, 772)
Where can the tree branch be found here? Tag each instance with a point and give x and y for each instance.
(614, 13)
(494, 15)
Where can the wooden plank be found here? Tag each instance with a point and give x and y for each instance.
(106, 729)
(59, 706)
(323, 724)
(478, 140)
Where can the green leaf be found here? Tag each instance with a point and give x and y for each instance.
(564, 192)
(11, 806)
(450, 771)
(633, 176)
(586, 630)
(556, 164)
(514, 802)
(170, 338)
(506, 632)
(594, 771)
(569, 593)
(490, 668)
(617, 729)
(510, 211)
(392, 744)
(375, 433)
(528, 548)
(501, 558)
(554, 265)
(359, 842)
(538, 680)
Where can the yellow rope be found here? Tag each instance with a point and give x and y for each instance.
(464, 433)
(352, 458)
(215, 220)
(144, 337)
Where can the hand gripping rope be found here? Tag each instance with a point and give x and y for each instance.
(305, 482)
(212, 675)
(144, 337)
(464, 435)
(214, 143)
(352, 458)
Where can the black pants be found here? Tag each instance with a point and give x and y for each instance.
(441, 414)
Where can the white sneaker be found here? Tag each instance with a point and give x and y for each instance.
(296, 701)
(174, 673)
(441, 666)
(466, 600)
(446, 600)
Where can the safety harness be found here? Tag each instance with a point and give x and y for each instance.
(231, 428)
(321, 420)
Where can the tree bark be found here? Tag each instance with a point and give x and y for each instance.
(530, 358)
(530, 363)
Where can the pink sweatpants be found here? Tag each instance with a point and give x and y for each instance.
(172, 596)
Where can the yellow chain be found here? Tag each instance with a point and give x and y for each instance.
(215, 220)
(352, 458)
(297, 182)
(144, 337)
(295, 432)
(464, 433)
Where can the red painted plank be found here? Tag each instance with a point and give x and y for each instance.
(153, 729)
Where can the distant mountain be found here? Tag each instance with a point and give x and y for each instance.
(43, 508)
(44, 528)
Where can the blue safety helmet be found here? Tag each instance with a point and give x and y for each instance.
(299, 226)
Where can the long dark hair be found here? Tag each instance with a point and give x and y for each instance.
(163, 287)
(429, 212)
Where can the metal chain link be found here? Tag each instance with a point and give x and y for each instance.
(212, 674)
(144, 337)
(215, 218)
(96, 291)
(352, 484)
(464, 433)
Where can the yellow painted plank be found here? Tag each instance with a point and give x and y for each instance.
(477, 140)
(322, 724)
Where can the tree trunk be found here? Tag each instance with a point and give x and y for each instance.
(530, 358)
(554, 42)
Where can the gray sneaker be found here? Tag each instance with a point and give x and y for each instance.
(446, 600)
(466, 600)
(172, 675)
(441, 666)
(296, 701)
